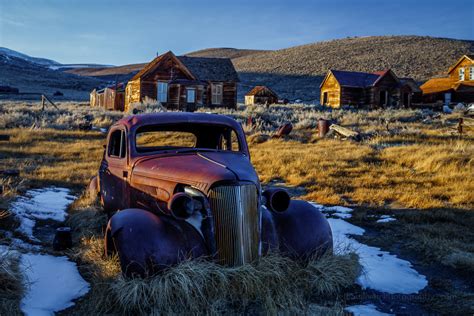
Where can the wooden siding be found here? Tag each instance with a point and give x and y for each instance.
(179, 79)
(132, 94)
(333, 90)
(466, 63)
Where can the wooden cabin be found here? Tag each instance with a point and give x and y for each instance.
(261, 95)
(184, 83)
(111, 97)
(378, 89)
(457, 86)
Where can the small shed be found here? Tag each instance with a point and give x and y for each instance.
(111, 97)
(261, 95)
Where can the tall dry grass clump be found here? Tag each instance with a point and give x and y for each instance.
(11, 289)
(270, 285)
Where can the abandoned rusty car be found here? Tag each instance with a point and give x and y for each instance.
(181, 185)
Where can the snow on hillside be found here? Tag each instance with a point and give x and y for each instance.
(35, 60)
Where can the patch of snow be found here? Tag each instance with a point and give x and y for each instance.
(385, 219)
(54, 283)
(364, 310)
(338, 211)
(382, 271)
(48, 203)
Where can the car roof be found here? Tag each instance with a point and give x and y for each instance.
(166, 118)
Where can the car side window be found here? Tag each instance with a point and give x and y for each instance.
(117, 144)
(229, 141)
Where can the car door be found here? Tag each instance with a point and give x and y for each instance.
(113, 171)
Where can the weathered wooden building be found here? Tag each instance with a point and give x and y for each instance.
(379, 89)
(261, 95)
(183, 83)
(110, 98)
(457, 86)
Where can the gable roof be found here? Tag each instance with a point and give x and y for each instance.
(410, 82)
(468, 56)
(257, 90)
(155, 62)
(210, 69)
(198, 68)
(355, 79)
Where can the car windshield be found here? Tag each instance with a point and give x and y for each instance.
(186, 137)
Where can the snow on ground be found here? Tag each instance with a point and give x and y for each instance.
(382, 271)
(385, 219)
(47, 203)
(54, 283)
(364, 310)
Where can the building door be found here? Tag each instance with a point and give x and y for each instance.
(406, 99)
(325, 98)
(383, 98)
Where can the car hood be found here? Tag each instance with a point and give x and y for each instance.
(199, 169)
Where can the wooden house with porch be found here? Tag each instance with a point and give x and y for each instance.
(261, 95)
(378, 89)
(184, 83)
(457, 86)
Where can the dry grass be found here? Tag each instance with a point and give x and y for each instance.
(11, 289)
(410, 164)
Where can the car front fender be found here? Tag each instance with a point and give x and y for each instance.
(299, 232)
(147, 243)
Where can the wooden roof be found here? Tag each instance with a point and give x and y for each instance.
(468, 56)
(210, 69)
(261, 90)
(439, 85)
(355, 79)
(198, 68)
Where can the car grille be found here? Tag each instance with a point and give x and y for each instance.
(236, 219)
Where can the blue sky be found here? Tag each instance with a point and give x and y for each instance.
(121, 32)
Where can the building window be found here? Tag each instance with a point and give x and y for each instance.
(216, 93)
(461, 74)
(190, 95)
(471, 73)
(162, 91)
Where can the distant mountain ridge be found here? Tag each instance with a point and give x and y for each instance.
(52, 64)
(35, 60)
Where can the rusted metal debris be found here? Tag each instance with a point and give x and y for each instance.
(284, 130)
(323, 127)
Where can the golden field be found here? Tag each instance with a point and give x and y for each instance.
(418, 170)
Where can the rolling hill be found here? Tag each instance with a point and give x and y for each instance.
(296, 72)
(35, 75)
